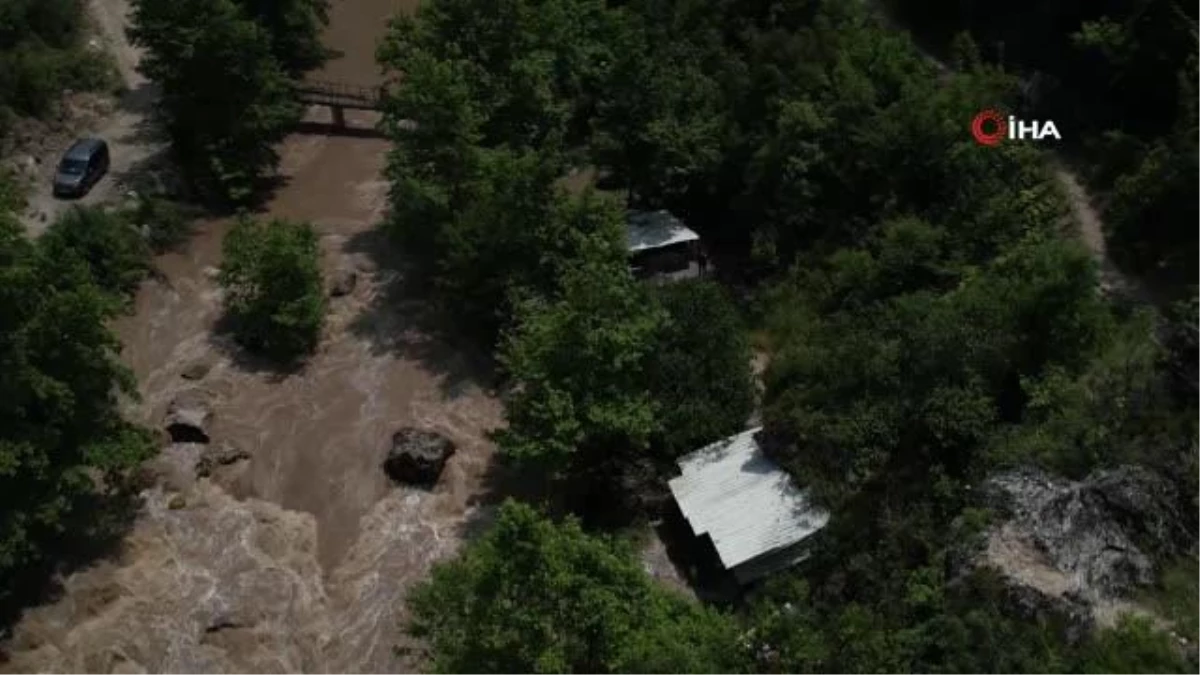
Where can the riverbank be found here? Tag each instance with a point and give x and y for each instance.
(297, 553)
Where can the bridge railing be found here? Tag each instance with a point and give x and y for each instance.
(335, 93)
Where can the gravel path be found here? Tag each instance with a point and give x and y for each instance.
(134, 143)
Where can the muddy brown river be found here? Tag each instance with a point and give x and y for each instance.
(317, 438)
(298, 559)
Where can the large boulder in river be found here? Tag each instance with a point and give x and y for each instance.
(188, 417)
(418, 456)
(1074, 548)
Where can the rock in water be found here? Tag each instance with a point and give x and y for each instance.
(344, 281)
(418, 456)
(220, 455)
(188, 418)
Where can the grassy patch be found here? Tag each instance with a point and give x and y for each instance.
(1176, 596)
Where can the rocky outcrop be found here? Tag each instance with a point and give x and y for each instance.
(418, 456)
(1075, 549)
(188, 418)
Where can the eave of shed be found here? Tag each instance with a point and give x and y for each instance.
(745, 503)
(656, 229)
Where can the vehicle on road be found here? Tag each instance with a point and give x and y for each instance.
(81, 166)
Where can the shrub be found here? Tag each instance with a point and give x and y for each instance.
(113, 250)
(166, 224)
(273, 287)
(41, 54)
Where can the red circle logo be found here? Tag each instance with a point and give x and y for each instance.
(989, 127)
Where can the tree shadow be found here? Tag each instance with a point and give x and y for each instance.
(506, 479)
(95, 531)
(141, 101)
(222, 339)
(401, 320)
(696, 559)
(331, 129)
(154, 174)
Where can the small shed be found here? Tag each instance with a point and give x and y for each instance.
(660, 245)
(759, 521)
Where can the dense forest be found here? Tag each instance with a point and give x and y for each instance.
(1120, 76)
(930, 318)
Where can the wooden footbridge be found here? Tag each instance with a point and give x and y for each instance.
(339, 96)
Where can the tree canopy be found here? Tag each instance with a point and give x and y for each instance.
(225, 70)
(537, 596)
(111, 248)
(274, 295)
(1120, 79)
(65, 449)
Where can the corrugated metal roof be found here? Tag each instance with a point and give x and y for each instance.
(742, 500)
(655, 229)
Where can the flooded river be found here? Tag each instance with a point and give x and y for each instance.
(299, 558)
(317, 437)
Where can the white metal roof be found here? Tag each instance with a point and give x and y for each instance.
(742, 500)
(655, 229)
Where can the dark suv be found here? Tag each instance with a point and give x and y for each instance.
(81, 166)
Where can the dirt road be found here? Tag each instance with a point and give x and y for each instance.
(134, 143)
(1090, 227)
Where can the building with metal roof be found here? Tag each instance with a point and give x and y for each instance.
(661, 246)
(759, 521)
(656, 229)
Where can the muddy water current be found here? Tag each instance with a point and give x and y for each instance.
(299, 557)
(316, 437)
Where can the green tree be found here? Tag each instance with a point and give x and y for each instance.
(660, 124)
(295, 29)
(924, 378)
(537, 596)
(511, 237)
(1132, 646)
(226, 100)
(578, 399)
(272, 280)
(166, 223)
(699, 371)
(431, 165)
(1151, 203)
(534, 68)
(64, 448)
(115, 252)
